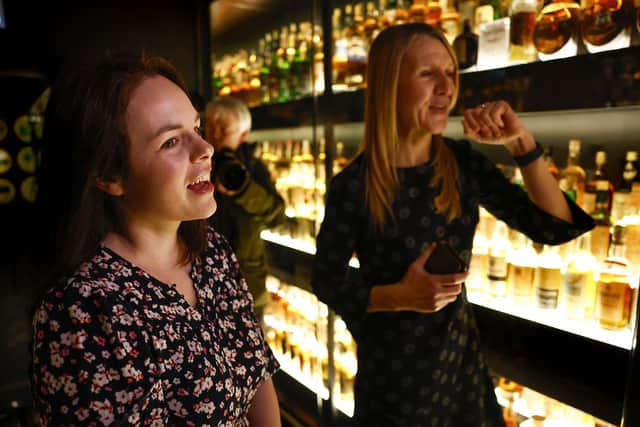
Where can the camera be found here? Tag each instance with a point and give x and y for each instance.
(229, 171)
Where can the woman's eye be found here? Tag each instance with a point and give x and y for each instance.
(170, 143)
(199, 130)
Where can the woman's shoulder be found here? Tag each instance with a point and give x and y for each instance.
(93, 285)
(351, 177)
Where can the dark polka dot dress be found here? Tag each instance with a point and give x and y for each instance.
(419, 369)
(115, 346)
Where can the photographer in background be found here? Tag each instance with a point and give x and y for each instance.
(247, 199)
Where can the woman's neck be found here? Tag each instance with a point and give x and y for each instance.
(147, 247)
(413, 149)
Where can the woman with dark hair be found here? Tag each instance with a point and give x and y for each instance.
(408, 188)
(147, 319)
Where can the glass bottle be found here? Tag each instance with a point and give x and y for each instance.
(418, 11)
(371, 19)
(284, 67)
(578, 284)
(548, 277)
(357, 50)
(614, 292)
(599, 190)
(572, 177)
(604, 25)
(499, 247)
(466, 47)
(401, 13)
(523, 21)
(556, 30)
(450, 25)
(340, 51)
(521, 267)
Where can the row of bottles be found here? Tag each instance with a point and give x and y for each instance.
(566, 279)
(299, 177)
(287, 62)
(285, 65)
(295, 325)
(592, 277)
(524, 407)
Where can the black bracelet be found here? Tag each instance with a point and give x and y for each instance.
(529, 157)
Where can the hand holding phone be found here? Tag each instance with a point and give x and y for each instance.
(444, 260)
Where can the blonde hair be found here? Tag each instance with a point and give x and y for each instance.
(380, 144)
(221, 107)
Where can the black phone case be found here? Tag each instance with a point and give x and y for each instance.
(443, 260)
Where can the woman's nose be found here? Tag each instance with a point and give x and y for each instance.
(201, 148)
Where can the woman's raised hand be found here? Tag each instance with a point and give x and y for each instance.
(493, 123)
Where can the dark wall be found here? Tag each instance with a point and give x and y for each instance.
(41, 34)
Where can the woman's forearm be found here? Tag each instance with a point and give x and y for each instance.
(264, 410)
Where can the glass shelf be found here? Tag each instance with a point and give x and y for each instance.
(586, 328)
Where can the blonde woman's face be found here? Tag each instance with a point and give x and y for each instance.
(426, 87)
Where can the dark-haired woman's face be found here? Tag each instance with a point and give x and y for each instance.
(426, 87)
(170, 163)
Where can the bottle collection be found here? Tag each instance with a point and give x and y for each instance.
(592, 277)
(287, 63)
(295, 324)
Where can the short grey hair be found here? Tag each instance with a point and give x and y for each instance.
(223, 105)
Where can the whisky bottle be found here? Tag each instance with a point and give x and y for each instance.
(340, 51)
(499, 247)
(548, 277)
(265, 49)
(598, 192)
(450, 25)
(434, 12)
(341, 160)
(579, 276)
(604, 25)
(318, 60)
(371, 28)
(357, 49)
(523, 21)
(401, 15)
(614, 292)
(572, 177)
(418, 11)
(556, 30)
(521, 267)
(465, 47)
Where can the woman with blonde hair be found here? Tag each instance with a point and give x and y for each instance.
(408, 188)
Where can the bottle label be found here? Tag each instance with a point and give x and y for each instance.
(521, 281)
(612, 306)
(575, 289)
(548, 282)
(497, 267)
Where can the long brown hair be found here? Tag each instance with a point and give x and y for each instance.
(381, 140)
(86, 138)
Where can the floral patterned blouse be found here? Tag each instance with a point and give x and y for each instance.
(115, 346)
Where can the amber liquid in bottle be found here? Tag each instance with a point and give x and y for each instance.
(555, 26)
(602, 21)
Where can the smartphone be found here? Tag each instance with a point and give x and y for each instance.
(444, 260)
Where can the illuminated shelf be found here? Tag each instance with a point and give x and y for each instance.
(293, 370)
(297, 244)
(586, 328)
